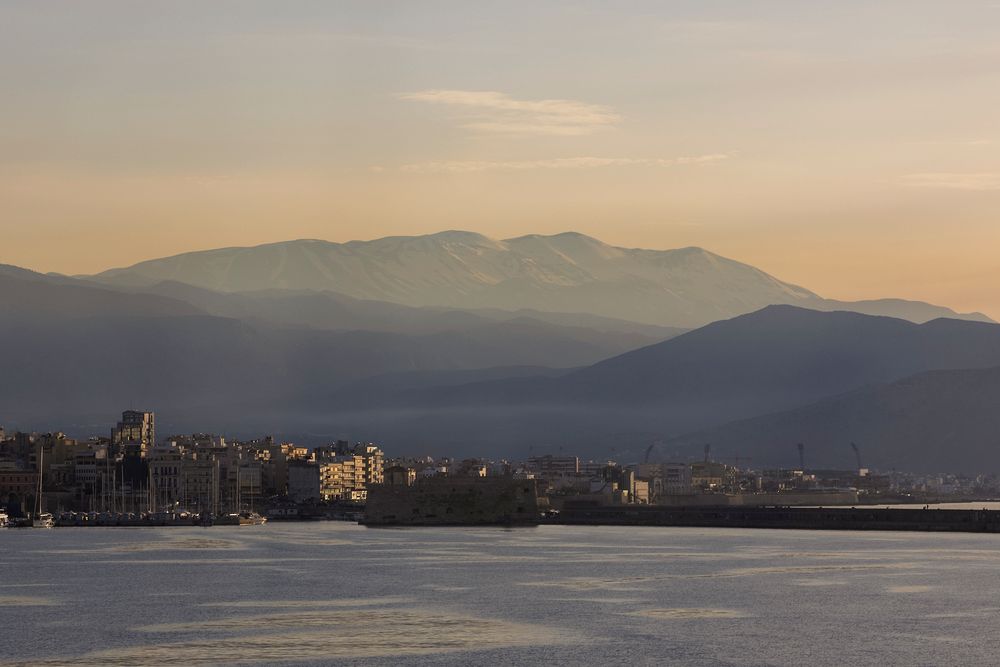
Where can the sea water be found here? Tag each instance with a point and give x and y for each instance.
(336, 593)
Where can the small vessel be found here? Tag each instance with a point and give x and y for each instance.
(252, 519)
(4, 519)
(40, 519)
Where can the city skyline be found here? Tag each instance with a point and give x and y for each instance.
(858, 171)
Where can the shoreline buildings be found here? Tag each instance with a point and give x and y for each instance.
(133, 471)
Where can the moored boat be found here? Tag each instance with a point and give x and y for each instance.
(252, 519)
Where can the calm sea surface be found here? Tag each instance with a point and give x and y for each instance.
(335, 593)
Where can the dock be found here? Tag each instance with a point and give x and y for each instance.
(793, 518)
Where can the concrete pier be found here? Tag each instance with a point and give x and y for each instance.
(802, 518)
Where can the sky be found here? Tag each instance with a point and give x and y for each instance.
(849, 147)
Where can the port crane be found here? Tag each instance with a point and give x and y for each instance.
(857, 455)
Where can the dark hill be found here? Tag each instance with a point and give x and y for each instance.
(931, 422)
(775, 359)
(32, 296)
(778, 356)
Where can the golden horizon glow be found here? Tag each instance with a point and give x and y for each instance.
(850, 149)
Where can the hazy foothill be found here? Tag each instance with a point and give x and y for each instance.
(487, 347)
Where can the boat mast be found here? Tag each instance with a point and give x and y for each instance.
(215, 488)
(239, 462)
(38, 493)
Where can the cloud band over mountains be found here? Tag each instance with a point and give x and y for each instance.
(492, 111)
(472, 166)
(969, 181)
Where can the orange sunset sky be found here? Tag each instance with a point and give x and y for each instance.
(851, 147)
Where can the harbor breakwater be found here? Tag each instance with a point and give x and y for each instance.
(802, 518)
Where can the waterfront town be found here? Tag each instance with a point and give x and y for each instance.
(132, 477)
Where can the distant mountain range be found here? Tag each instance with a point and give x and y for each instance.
(454, 343)
(70, 345)
(779, 355)
(930, 422)
(565, 273)
(779, 358)
(335, 311)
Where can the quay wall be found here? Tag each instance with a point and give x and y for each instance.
(760, 499)
(803, 518)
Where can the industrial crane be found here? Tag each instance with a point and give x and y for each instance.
(857, 454)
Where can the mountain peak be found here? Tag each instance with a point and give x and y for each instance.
(558, 237)
(568, 272)
(457, 236)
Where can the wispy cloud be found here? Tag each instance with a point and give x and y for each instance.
(971, 143)
(491, 111)
(982, 181)
(470, 166)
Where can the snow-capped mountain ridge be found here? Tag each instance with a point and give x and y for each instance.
(568, 272)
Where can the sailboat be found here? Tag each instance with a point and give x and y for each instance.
(41, 519)
(38, 519)
(252, 518)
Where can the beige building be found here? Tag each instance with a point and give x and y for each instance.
(347, 471)
(343, 478)
(712, 476)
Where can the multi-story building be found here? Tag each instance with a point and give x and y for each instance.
(85, 469)
(135, 434)
(199, 482)
(713, 476)
(18, 486)
(249, 481)
(554, 466)
(346, 471)
(343, 478)
(274, 459)
(665, 479)
(595, 469)
(374, 463)
(166, 471)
